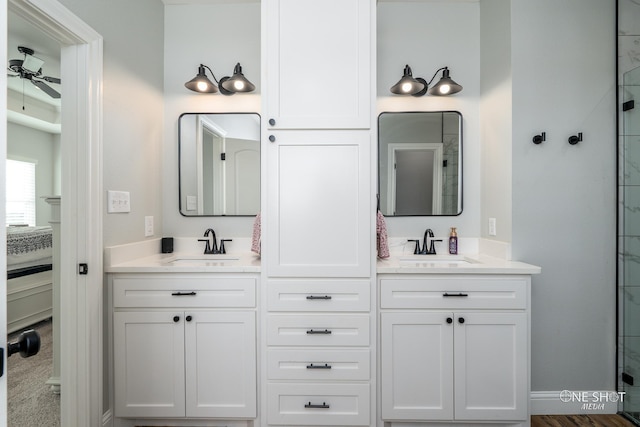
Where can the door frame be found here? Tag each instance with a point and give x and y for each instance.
(81, 302)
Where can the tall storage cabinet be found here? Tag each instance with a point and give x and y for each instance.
(317, 217)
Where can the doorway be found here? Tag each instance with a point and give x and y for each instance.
(81, 210)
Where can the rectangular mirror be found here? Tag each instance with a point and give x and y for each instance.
(219, 164)
(420, 163)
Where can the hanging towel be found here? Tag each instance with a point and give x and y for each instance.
(382, 243)
(255, 237)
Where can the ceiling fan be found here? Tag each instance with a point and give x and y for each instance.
(30, 68)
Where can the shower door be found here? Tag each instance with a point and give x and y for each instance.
(630, 261)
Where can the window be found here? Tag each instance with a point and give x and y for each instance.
(21, 193)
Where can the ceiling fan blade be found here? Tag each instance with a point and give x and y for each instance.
(46, 89)
(50, 79)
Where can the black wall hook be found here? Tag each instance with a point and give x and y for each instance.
(574, 139)
(537, 139)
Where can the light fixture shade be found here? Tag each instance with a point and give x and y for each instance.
(407, 85)
(446, 86)
(238, 82)
(200, 83)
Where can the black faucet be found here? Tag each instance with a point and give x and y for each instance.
(212, 249)
(427, 241)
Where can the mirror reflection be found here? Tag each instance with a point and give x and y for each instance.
(420, 163)
(219, 164)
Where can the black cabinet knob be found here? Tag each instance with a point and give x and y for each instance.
(188, 318)
(449, 320)
(272, 122)
(176, 319)
(272, 138)
(461, 320)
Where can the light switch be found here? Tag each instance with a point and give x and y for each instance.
(192, 203)
(492, 227)
(118, 201)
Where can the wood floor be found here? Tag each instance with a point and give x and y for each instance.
(595, 420)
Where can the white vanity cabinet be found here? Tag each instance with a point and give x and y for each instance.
(184, 345)
(318, 352)
(318, 63)
(318, 103)
(454, 348)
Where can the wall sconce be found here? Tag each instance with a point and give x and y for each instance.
(227, 85)
(408, 85)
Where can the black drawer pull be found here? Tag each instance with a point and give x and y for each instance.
(312, 366)
(312, 406)
(316, 332)
(314, 297)
(183, 294)
(459, 294)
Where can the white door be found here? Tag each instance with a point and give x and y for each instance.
(220, 364)
(319, 63)
(417, 366)
(149, 364)
(318, 208)
(242, 177)
(491, 366)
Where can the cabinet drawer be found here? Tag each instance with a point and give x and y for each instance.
(339, 365)
(318, 404)
(318, 329)
(184, 292)
(340, 295)
(454, 293)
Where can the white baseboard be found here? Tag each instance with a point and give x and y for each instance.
(577, 402)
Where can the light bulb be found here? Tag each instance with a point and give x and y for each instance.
(202, 86)
(444, 89)
(406, 87)
(238, 85)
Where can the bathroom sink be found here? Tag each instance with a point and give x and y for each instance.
(427, 261)
(216, 260)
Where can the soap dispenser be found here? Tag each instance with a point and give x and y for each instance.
(453, 241)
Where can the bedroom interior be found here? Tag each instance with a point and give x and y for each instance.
(33, 176)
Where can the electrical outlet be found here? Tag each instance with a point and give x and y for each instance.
(148, 226)
(118, 201)
(492, 227)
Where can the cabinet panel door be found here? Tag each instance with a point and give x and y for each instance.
(319, 63)
(491, 366)
(319, 210)
(417, 366)
(148, 364)
(221, 364)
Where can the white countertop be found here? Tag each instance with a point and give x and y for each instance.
(452, 264)
(189, 262)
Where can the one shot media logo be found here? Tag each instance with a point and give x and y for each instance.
(592, 400)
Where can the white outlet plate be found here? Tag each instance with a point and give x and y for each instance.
(492, 227)
(148, 226)
(118, 201)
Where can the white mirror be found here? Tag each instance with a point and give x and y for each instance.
(219, 164)
(420, 163)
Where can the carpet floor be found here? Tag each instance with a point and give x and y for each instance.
(31, 403)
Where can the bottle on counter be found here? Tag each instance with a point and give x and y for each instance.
(453, 241)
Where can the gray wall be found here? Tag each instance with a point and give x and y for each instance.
(564, 206)
(133, 33)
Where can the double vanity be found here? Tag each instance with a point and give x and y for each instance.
(202, 340)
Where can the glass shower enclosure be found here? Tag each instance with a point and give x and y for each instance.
(629, 267)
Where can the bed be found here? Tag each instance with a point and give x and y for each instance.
(29, 276)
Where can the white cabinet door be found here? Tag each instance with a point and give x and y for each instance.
(149, 364)
(319, 210)
(318, 59)
(220, 368)
(491, 366)
(417, 366)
